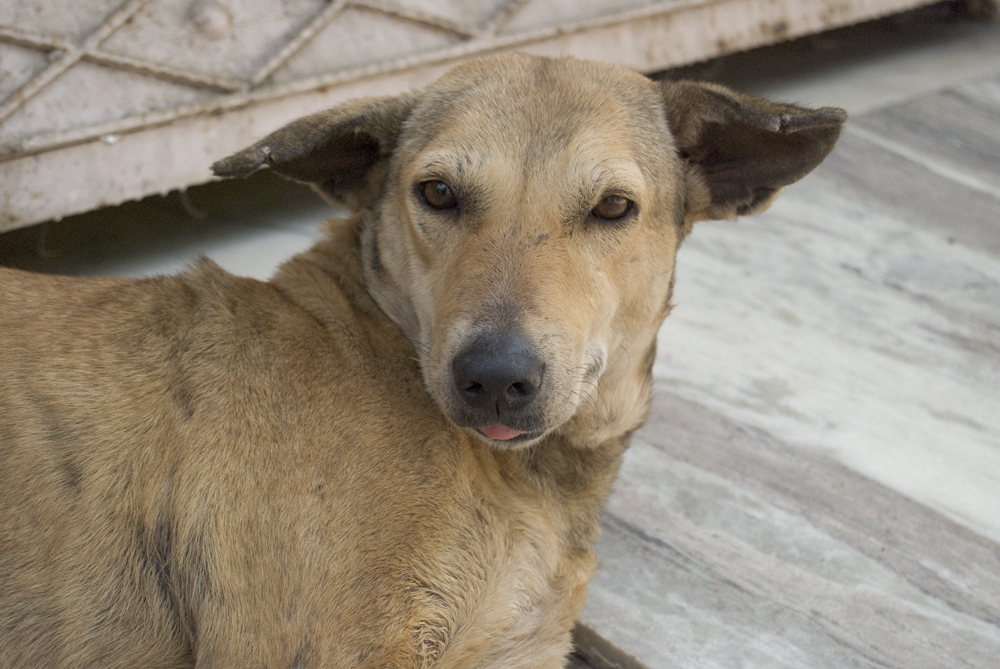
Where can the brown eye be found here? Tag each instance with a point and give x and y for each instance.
(438, 194)
(612, 207)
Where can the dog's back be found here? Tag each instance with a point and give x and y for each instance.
(111, 396)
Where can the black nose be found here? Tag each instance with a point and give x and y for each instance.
(501, 370)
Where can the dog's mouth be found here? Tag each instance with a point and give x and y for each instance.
(507, 435)
(500, 432)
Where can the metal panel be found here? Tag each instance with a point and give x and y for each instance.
(104, 101)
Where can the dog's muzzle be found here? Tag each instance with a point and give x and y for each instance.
(498, 379)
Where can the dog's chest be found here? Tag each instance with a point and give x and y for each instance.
(510, 605)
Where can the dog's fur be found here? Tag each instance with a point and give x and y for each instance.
(206, 470)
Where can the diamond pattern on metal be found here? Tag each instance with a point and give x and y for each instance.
(165, 34)
(181, 82)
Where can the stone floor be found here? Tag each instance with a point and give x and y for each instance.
(819, 482)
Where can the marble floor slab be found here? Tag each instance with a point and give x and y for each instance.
(819, 482)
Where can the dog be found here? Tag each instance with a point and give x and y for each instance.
(394, 452)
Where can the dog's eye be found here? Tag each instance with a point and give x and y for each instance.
(438, 194)
(612, 207)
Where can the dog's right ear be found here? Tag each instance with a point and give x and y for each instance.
(337, 151)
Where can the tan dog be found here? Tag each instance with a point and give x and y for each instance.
(394, 453)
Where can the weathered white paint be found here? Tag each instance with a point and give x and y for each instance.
(81, 143)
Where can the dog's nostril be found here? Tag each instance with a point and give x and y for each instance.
(474, 391)
(522, 389)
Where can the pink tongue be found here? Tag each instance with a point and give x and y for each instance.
(500, 432)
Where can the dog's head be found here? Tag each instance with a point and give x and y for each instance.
(521, 218)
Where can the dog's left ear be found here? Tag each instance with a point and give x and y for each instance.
(741, 150)
(337, 151)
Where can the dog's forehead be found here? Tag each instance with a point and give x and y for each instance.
(515, 93)
(530, 111)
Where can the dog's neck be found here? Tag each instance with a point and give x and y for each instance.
(380, 284)
(330, 276)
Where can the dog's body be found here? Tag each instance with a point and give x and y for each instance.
(394, 453)
(248, 488)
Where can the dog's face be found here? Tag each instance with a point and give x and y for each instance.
(535, 223)
(522, 218)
